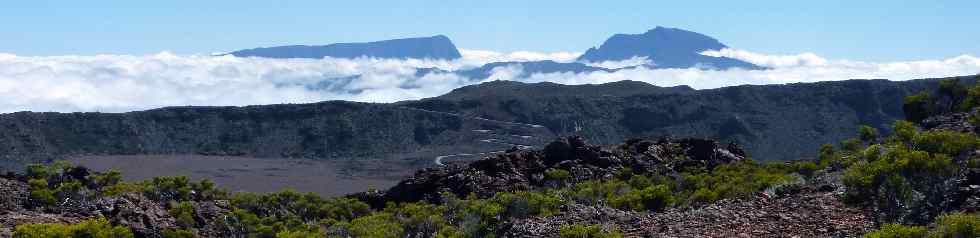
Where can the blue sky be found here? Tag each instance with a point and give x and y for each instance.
(857, 30)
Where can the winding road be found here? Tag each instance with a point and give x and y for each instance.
(487, 134)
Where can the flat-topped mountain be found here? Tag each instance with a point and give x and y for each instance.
(434, 47)
(667, 48)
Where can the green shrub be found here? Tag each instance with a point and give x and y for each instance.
(107, 178)
(299, 234)
(867, 133)
(378, 225)
(656, 193)
(449, 232)
(897, 231)
(729, 181)
(291, 213)
(595, 192)
(954, 91)
(803, 167)
(178, 233)
(956, 225)
(624, 174)
(827, 156)
(873, 152)
(420, 218)
(70, 191)
(653, 198)
(183, 212)
(205, 190)
(905, 130)
(123, 188)
(307, 206)
(242, 222)
(972, 99)
(48, 171)
(973, 163)
(865, 178)
(917, 107)
(94, 228)
(41, 195)
(524, 204)
(852, 145)
(586, 231)
(169, 188)
(943, 141)
(480, 217)
(556, 174)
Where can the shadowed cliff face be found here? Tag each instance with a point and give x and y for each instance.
(774, 122)
(319, 130)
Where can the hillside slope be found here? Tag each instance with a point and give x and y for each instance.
(774, 122)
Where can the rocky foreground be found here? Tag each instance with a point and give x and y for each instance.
(806, 206)
(519, 170)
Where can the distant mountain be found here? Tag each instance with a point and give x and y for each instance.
(667, 48)
(435, 47)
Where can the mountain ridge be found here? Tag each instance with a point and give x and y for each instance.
(457, 121)
(433, 47)
(667, 48)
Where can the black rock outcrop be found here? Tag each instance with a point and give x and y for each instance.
(523, 169)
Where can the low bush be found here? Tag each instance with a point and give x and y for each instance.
(94, 228)
(729, 181)
(944, 142)
(897, 231)
(867, 133)
(954, 225)
(183, 212)
(586, 231)
(41, 195)
(178, 233)
(653, 198)
(919, 106)
(865, 179)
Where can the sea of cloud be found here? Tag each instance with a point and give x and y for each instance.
(118, 83)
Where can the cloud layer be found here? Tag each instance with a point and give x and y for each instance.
(116, 83)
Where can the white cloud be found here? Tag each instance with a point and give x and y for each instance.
(113, 83)
(633, 61)
(486, 56)
(830, 71)
(804, 59)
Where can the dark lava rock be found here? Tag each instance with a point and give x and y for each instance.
(524, 169)
(959, 122)
(15, 195)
